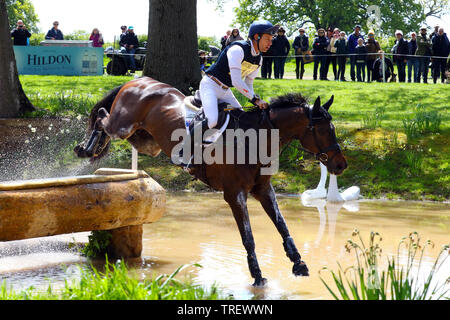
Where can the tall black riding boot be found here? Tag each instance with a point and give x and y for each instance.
(198, 125)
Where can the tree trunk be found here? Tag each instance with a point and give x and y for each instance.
(172, 56)
(13, 101)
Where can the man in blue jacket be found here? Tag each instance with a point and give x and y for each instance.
(352, 42)
(301, 46)
(320, 54)
(441, 48)
(130, 42)
(281, 47)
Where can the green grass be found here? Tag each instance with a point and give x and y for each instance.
(116, 282)
(394, 135)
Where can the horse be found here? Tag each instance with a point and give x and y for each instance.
(146, 112)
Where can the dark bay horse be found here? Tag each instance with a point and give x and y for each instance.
(146, 112)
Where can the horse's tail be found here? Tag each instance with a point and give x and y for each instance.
(106, 103)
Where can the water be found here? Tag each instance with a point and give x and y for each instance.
(199, 228)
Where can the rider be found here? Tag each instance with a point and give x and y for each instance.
(237, 66)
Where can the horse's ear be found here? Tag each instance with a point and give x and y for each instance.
(316, 106)
(328, 104)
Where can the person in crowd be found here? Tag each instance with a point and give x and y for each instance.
(202, 59)
(130, 42)
(435, 31)
(333, 35)
(400, 51)
(352, 42)
(54, 33)
(235, 36)
(378, 68)
(373, 47)
(441, 50)
(267, 63)
(361, 58)
(320, 45)
(97, 38)
(300, 46)
(123, 33)
(20, 34)
(281, 47)
(423, 53)
(412, 61)
(223, 40)
(341, 51)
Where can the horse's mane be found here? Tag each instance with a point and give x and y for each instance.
(288, 100)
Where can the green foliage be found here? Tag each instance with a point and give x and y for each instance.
(423, 121)
(373, 120)
(22, 10)
(398, 14)
(116, 282)
(142, 38)
(36, 39)
(98, 243)
(77, 35)
(366, 281)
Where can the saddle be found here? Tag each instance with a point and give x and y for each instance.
(194, 112)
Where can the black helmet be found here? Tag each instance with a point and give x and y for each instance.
(262, 27)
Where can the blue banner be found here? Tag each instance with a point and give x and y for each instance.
(66, 61)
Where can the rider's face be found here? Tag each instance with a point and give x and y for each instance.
(265, 42)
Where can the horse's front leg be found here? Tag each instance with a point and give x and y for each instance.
(238, 204)
(266, 195)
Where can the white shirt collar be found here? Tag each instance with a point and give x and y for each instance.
(253, 50)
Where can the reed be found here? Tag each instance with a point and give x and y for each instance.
(366, 280)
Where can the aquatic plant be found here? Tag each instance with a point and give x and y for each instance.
(366, 280)
(97, 245)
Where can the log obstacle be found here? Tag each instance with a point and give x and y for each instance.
(117, 200)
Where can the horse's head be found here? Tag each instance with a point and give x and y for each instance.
(319, 137)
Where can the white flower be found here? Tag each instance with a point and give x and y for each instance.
(27, 141)
(33, 130)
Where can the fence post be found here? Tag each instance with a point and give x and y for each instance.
(134, 159)
(384, 67)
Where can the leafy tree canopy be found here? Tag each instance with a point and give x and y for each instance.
(22, 10)
(384, 16)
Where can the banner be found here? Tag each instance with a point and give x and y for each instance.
(65, 61)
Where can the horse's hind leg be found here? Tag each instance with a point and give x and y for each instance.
(238, 204)
(144, 143)
(266, 195)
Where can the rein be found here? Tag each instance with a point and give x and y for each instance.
(322, 155)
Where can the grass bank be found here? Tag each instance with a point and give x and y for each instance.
(394, 135)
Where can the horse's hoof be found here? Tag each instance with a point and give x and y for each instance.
(300, 269)
(80, 151)
(261, 282)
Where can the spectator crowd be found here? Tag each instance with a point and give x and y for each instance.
(330, 46)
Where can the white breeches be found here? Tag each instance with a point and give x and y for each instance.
(212, 94)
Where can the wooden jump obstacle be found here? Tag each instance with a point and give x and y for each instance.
(117, 200)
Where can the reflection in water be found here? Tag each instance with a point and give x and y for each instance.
(199, 228)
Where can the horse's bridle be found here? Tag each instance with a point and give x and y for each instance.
(322, 155)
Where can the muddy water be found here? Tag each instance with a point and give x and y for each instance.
(199, 228)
